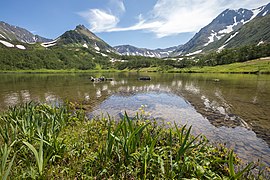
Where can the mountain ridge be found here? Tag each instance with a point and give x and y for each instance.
(81, 37)
(256, 32)
(15, 33)
(225, 23)
(135, 51)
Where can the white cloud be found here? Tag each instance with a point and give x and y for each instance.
(100, 20)
(103, 20)
(174, 17)
(117, 6)
(168, 17)
(179, 16)
(248, 4)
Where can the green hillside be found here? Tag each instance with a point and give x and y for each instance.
(54, 58)
(261, 65)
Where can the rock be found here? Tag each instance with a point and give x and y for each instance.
(102, 78)
(144, 78)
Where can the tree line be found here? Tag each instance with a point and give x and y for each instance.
(213, 58)
(85, 59)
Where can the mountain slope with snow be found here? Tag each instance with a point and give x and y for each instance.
(81, 37)
(255, 32)
(225, 23)
(135, 51)
(14, 33)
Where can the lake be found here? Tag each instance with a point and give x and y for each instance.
(233, 109)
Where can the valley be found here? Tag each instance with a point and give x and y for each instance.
(197, 109)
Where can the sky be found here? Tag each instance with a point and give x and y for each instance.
(141, 23)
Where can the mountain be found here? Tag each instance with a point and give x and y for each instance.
(14, 33)
(135, 51)
(255, 32)
(75, 49)
(80, 37)
(227, 22)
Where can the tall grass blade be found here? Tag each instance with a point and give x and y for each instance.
(240, 174)
(232, 173)
(231, 166)
(38, 155)
(4, 159)
(5, 177)
(135, 133)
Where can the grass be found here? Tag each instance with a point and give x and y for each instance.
(254, 66)
(44, 142)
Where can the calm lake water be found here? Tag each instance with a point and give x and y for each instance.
(234, 110)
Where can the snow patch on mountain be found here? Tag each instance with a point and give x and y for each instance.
(194, 53)
(261, 42)
(85, 45)
(96, 47)
(165, 53)
(221, 48)
(20, 47)
(129, 50)
(49, 44)
(256, 12)
(229, 28)
(212, 37)
(232, 36)
(265, 13)
(34, 38)
(3, 36)
(7, 44)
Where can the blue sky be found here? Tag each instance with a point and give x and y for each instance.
(142, 23)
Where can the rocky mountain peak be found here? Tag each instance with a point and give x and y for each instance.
(80, 27)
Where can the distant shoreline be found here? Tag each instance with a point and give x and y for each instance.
(257, 66)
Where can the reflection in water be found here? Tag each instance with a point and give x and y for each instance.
(234, 110)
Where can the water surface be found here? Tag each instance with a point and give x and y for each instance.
(233, 109)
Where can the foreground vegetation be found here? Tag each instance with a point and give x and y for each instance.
(43, 142)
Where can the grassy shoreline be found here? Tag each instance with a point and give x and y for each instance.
(44, 142)
(257, 66)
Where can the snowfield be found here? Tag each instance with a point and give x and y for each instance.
(49, 44)
(7, 44)
(20, 47)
